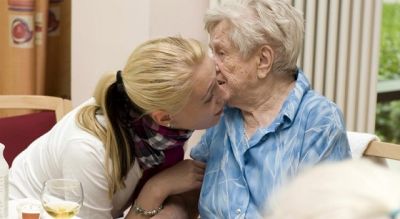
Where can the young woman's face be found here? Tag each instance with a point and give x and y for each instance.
(206, 102)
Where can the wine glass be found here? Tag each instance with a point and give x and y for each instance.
(62, 198)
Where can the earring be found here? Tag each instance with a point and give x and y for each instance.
(169, 125)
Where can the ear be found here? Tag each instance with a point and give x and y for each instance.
(266, 58)
(161, 117)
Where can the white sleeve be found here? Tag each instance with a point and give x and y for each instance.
(84, 161)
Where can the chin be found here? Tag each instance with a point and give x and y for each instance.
(211, 124)
(217, 119)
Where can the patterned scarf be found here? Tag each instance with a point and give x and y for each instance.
(147, 137)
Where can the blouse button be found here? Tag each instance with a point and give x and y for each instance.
(238, 211)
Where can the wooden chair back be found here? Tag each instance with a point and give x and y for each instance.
(383, 150)
(59, 105)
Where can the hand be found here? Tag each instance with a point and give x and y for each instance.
(182, 177)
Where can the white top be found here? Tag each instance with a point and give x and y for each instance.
(67, 151)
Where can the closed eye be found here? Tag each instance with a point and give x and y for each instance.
(208, 100)
(210, 92)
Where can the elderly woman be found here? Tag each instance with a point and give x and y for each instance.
(274, 124)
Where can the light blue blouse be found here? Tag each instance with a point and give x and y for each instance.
(241, 174)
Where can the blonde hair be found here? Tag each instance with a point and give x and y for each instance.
(157, 76)
(258, 22)
(353, 189)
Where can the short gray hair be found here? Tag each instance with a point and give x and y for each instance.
(258, 22)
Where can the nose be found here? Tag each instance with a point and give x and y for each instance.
(220, 77)
(217, 63)
(217, 68)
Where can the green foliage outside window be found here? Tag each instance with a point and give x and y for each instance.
(389, 63)
(388, 114)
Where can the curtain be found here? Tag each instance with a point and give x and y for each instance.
(35, 47)
(341, 55)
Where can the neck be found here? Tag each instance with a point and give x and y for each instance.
(266, 102)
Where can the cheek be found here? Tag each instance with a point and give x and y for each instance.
(228, 71)
(234, 75)
(233, 68)
(228, 65)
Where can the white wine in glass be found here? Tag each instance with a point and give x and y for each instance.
(62, 198)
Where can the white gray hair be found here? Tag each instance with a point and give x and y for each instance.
(356, 189)
(259, 22)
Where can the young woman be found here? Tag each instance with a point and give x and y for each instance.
(120, 143)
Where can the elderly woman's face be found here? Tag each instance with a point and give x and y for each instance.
(238, 74)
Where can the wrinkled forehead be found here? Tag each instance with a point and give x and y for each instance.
(222, 29)
(220, 35)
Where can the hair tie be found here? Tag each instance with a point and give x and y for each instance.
(119, 77)
(119, 82)
(395, 213)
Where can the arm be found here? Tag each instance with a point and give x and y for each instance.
(191, 200)
(325, 137)
(83, 161)
(182, 177)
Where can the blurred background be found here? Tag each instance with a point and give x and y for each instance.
(388, 106)
(61, 47)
